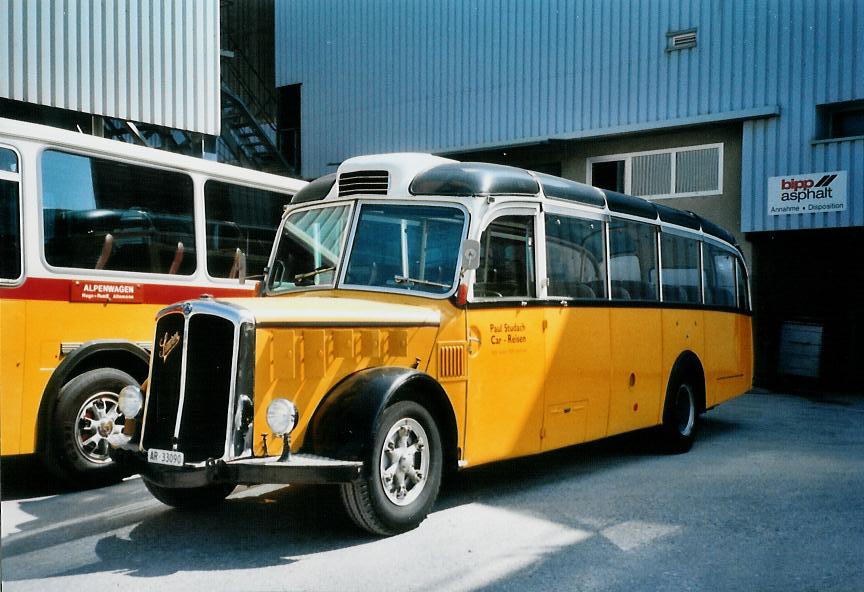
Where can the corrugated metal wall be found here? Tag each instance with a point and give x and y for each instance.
(388, 75)
(153, 61)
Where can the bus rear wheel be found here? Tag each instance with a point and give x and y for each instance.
(86, 415)
(678, 430)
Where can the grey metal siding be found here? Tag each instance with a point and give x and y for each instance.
(386, 75)
(153, 61)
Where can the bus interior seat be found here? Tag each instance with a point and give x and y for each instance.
(178, 259)
(105, 254)
(619, 292)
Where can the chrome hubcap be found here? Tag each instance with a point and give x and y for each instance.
(685, 410)
(404, 461)
(98, 418)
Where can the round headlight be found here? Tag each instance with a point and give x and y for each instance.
(282, 416)
(130, 401)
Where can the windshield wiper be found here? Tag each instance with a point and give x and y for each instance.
(311, 274)
(401, 279)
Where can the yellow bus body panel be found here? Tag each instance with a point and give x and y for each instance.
(13, 350)
(506, 382)
(303, 362)
(578, 362)
(30, 352)
(728, 368)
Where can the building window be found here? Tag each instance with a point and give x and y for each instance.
(288, 118)
(841, 120)
(656, 174)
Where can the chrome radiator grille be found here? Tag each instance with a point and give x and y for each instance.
(190, 413)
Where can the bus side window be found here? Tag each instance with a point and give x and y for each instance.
(507, 259)
(719, 276)
(680, 277)
(242, 218)
(105, 214)
(633, 260)
(575, 257)
(10, 217)
(741, 281)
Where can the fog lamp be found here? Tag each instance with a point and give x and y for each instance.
(130, 401)
(282, 416)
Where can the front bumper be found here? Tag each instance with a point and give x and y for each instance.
(298, 469)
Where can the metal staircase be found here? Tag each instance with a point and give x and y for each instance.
(247, 141)
(249, 130)
(250, 137)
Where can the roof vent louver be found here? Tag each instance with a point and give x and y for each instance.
(364, 182)
(681, 39)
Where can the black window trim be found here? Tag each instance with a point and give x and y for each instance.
(19, 179)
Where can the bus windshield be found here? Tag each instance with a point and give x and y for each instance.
(309, 249)
(413, 248)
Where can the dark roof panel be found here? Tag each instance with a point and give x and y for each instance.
(627, 204)
(474, 178)
(558, 188)
(679, 217)
(709, 227)
(316, 190)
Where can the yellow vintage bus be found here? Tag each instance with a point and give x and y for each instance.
(97, 236)
(422, 314)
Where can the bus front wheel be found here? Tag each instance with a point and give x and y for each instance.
(402, 473)
(85, 416)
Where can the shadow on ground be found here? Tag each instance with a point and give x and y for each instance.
(264, 527)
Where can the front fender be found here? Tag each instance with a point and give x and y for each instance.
(346, 421)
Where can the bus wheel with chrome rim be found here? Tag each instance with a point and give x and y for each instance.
(86, 415)
(402, 473)
(190, 498)
(679, 416)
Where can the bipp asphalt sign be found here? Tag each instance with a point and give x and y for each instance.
(807, 194)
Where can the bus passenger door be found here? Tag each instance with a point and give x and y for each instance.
(577, 330)
(505, 332)
(636, 388)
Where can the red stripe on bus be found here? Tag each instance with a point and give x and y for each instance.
(60, 290)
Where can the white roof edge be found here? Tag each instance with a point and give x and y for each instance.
(112, 148)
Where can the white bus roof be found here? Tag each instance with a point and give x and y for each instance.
(60, 138)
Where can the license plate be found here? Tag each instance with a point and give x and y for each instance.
(165, 457)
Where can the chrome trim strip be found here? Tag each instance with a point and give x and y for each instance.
(182, 397)
(341, 324)
(238, 316)
(659, 246)
(607, 228)
(228, 449)
(149, 382)
(227, 311)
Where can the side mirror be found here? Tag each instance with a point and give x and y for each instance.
(470, 254)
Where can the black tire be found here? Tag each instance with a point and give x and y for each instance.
(680, 416)
(190, 498)
(383, 509)
(78, 448)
